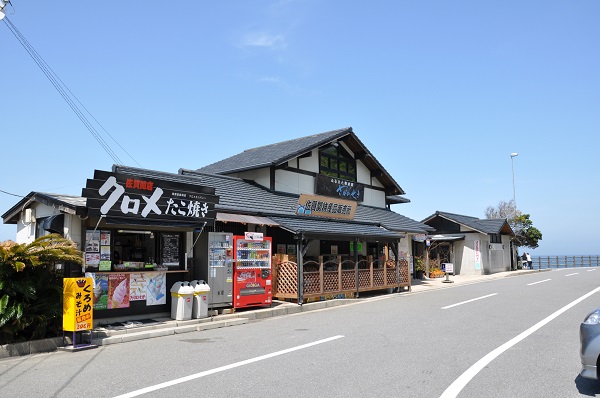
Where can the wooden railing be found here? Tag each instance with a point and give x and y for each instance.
(336, 278)
(540, 262)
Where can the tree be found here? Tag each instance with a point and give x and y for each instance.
(525, 233)
(31, 288)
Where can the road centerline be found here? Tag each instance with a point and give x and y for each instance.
(468, 301)
(535, 283)
(574, 273)
(224, 368)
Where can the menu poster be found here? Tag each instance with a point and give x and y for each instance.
(118, 291)
(92, 241)
(100, 290)
(138, 286)
(92, 259)
(105, 265)
(105, 238)
(170, 249)
(156, 288)
(104, 252)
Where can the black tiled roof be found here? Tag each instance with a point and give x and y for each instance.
(486, 226)
(273, 154)
(71, 202)
(334, 228)
(279, 153)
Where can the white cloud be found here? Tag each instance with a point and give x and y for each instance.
(263, 40)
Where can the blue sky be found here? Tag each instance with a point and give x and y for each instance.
(440, 92)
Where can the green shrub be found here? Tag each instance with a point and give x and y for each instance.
(31, 288)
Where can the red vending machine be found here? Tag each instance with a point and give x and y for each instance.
(252, 272)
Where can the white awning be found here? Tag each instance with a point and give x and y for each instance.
(246, 219)
(447, 237)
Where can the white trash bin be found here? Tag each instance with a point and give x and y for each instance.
(200, 306)
(182, 296)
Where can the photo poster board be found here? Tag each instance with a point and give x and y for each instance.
(118, 291)
(150, 287)
(170, 244)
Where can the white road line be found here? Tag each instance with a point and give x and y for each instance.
(574, 273)
(456, 387)
(468, 301)
(224, 368)
(590, 270)
(535, 283)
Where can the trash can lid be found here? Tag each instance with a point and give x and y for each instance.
(182, 288)
(202, 287)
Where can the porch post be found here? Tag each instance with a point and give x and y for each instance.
(300, 267)
(356, 264)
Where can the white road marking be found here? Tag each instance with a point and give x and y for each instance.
(574, 273)
(456, 387)
(535, 283)
(224, 368)
(468, 301)
(590, 270)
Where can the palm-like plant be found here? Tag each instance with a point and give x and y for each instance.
(30, 287)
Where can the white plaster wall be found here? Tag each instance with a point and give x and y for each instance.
(467, 260)
(363, 175)
(374, 198)
(72, 230)
(287, 181)
(260, 176)
(308, 163)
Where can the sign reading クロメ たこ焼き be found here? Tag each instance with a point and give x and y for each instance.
(127, 196)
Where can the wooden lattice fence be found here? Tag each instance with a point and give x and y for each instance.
(334, 278)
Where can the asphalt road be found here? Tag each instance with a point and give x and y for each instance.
(512, 337)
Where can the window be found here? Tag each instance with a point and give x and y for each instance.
(336, 162)
(495, 238)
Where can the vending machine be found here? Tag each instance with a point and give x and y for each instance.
(220, 269)
(252, 282)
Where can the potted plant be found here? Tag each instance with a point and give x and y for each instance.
(419, 268)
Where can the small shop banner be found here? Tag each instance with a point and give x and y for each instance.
(78, 306)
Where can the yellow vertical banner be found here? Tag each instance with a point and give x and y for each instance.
(78, 304)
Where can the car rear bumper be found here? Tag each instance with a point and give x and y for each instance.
(589, 372)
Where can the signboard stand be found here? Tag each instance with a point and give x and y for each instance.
(77, 312)
(448, 269)
(78, 347)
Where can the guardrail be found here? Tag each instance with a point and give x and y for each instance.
(541, 262)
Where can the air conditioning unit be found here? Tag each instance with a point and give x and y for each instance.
(29, 215)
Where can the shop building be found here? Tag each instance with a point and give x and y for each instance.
(323, 201)
(475, 246)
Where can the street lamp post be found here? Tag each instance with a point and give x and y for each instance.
(514, 252)
(512, 156)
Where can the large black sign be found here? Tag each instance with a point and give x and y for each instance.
(339, 188)
(130, 196)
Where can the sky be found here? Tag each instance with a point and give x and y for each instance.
(440, 92)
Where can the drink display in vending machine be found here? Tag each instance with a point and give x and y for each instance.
(220, 269)
(252, 282)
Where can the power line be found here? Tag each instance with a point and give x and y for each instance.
(60, 86)
(13, 194)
